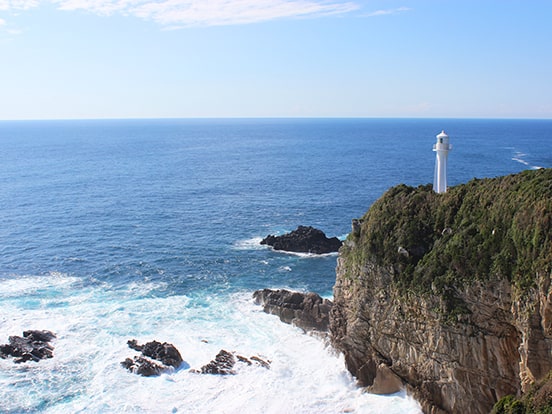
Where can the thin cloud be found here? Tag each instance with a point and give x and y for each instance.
(101, 7)
(210, 13)
(387, 12)
(13, 5)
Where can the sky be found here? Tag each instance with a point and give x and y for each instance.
(78, 59)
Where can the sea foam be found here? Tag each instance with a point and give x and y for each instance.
(93, 323)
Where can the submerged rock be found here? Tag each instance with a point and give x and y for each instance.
(308, 311)
(156, 358)
(304, 240)
(33, 346)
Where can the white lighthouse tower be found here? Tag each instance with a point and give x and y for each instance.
(441, 148)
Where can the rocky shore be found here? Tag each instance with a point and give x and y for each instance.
(450, 295)
(446, 295)
(157, 358)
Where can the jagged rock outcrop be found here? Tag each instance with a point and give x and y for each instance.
(156, 358)
(308, 311)
(450, 295)
(304, 240)
(33, 346)
(225, 362)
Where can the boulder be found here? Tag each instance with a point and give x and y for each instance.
(307, 311)
(33, 346)
(304, 240)
(156, 358)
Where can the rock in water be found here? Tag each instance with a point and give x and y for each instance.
(156, 358)
(34, 345)
(304, 240)
(143, 366)
(221, 365)
(308, 311)
(225, 361)
(39, 336)
(164, 352)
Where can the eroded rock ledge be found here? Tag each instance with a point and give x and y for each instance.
(308, 311)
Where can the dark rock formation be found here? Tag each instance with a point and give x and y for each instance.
(166, 353)
(308, 311)
(144, 366)
(156, 358)
(33, 346)
(223, 364)
(225, 361)
(465, 318)
(304, 240)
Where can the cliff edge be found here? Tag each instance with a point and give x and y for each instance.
(449, 295)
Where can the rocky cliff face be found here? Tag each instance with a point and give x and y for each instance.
(450, 294)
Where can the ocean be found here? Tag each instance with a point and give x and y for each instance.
(113, 230)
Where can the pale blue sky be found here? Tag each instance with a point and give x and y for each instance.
(275, 58)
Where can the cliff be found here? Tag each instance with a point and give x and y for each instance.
(449, 295)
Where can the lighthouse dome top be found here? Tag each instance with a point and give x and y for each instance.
(443, 134)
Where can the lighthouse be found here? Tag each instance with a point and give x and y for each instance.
(441, 148)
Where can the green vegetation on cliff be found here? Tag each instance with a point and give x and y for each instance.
(485, 229)
(537, 401)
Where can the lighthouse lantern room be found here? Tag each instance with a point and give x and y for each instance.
(441, 148)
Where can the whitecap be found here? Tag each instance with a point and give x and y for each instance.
(253, 243)
(305, 255)
(343, 237)
(518, 157)
(28, 284)
(521, 158)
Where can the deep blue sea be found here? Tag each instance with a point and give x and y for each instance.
(118, 229)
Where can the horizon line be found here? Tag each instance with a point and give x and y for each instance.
(130, 118)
